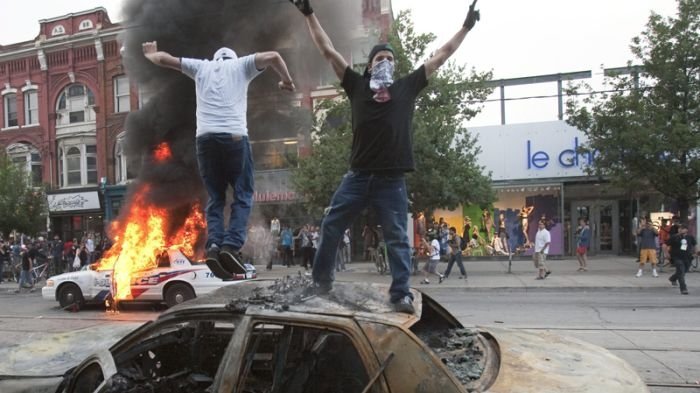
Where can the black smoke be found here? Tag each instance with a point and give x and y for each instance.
(197, 28)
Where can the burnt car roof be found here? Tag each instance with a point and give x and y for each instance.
(347, 299)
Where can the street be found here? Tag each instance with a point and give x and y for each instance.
(655, 330)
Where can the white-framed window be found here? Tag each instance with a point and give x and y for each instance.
(122, 172)
(31, 107)
(145, 95)
(121, 94)
(58, 30)
(77, 162)
(85, 24)
(75, 105)
(10, 108)
(28, 158)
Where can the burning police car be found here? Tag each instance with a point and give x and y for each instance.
(263, 336)
(174, 280)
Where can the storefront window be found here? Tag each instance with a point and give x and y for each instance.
(277, 154)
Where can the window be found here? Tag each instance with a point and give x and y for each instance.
(27, 157)
(302, 359)
(75, 105)
(85, 24)
(121, 94)
(31, 107)
(122, 171)
(77, 163)
(275, 154)
(10, 107)
(145, 95)
(58, 30)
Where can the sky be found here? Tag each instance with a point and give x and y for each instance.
(515, 38)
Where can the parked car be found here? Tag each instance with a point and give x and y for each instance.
(264, 336)
(175, 279)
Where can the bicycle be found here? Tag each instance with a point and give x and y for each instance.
(380, 258)
(40, 272)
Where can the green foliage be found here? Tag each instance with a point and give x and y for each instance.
(22, 207)
(447, 173)
(646, 133)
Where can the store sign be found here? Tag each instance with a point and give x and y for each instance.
(274, 187)
(544, 150)
(74, 201)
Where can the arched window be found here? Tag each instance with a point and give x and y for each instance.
(58, 30)
(75, 105)
(77, 162)
(85, 24)
(27, 157)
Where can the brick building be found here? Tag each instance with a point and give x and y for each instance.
(65, 98)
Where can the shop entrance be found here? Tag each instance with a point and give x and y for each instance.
(603, 218)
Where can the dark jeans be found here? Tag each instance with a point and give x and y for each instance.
(225, 160)
(287, 259)
(682, 267)
(387, 195)
(455, 258)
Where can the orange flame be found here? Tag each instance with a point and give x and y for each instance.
(162, 152)
(140, 235)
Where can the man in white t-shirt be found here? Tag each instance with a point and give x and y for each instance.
(539, 256)
(434, 258)
(223, 151)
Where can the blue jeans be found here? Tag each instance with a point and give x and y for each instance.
(387, 196)
(226, 160)
(25, 277)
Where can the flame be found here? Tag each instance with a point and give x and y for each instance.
(162, 152)
(140, 235)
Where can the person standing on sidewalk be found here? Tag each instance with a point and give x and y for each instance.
(455, 255)
(647, 247)
(542, 240)
(382, 151)
(223, 151)
(431, 265)
(583, 242)
(682, 251)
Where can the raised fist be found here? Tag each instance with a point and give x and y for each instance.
(303, 6)
(472, 16)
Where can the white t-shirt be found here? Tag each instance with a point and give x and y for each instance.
(543, 237)
(222, 93)
(435, 250)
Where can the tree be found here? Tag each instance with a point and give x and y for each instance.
(447, 172)
(22, 207)
(646, 132)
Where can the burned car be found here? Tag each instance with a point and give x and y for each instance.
(271, 336)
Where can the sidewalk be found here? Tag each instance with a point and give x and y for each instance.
(609, 272)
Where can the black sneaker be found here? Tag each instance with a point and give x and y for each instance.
(318, 289)
(684, 291)
(673, 282)
(441, 279)
(405, 305)
(547, 273)
(230, 259)
(213, 253)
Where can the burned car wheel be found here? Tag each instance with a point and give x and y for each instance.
(178, 293)
(70, 296)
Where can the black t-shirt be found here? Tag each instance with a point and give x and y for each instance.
(26, 257)
(382, 131)
(678, 242)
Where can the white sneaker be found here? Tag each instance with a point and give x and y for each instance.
(639, 273)
(654, 273)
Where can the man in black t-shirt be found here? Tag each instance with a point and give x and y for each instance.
(28, 257)
(682, 253)
(382, 151)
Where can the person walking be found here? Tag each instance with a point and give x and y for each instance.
(583, 243)
(454, 255)
(647, 235)
(382, 151)
(541, 248)
(223, 151)
(682, 247)
(25, 277)
(4, 259)
(431, 265)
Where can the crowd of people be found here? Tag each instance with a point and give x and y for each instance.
(25, 259)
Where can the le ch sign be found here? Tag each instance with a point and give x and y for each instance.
(566, 158)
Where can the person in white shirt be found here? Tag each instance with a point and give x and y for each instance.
(223, 151)
(431, 265)
(540, 251)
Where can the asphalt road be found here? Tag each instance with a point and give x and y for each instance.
(657, 332)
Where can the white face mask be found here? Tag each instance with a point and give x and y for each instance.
(382, 75)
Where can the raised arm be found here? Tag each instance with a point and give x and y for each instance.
(160, 58)
(442, 54)
(274, 60)
(320, 38)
